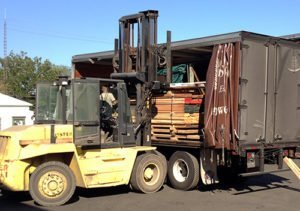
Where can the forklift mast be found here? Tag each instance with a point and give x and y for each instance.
(137, 64)
(138, 41)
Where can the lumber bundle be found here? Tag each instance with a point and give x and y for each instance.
(176, 115)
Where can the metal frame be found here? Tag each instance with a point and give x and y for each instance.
(197, 42)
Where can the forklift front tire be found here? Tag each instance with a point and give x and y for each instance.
(148, 174)
(52, 184)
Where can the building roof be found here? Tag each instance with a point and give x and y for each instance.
(6, 100)
(294, 37)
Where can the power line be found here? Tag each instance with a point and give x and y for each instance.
(38, 29)
(58, 36)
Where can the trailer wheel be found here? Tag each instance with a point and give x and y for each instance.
(183, 171)
(52, 184)
(148, 174)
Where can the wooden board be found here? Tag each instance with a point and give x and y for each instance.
(195, 131)
(176, 115)
(169, 108)
(293, 166)
(177, 126)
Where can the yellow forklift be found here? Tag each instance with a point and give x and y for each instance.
(83, 135)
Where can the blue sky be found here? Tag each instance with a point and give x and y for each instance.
(58, 29)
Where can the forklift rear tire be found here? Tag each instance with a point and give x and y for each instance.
(183, 171)
(149, 173)
(52, 184)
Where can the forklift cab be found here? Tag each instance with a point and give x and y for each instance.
(98, 109)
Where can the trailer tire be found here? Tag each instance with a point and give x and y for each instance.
(52, 184)
(183, 171)
(149, 173)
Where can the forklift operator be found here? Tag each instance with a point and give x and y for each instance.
(107, 96)
(108, 121)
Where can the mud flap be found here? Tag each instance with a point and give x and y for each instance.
(208, 166)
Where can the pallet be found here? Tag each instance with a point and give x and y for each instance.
(175, 132)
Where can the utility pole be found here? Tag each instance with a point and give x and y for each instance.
(5, 69)
(5, 36)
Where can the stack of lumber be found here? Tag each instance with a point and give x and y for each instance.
(175, 115)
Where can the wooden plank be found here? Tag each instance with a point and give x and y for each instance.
(186, 131)
(160, 130)
(193, 137)
(160, 126)
(175, 121)
(186, 126)
(162, 135)
(161, 121)
(290, 163)
(169, 108)
(176, 126)
(170, 94)
(172, 99)
(176, 115)
(184, 139)
(170, 119)
(176, 136)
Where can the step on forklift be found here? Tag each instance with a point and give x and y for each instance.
(83, 135)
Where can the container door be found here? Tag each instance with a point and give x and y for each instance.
(269, 99)
(253, 91)
(287, 85)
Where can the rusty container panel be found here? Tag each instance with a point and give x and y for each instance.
(221, 104)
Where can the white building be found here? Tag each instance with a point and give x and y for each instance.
(14, 112)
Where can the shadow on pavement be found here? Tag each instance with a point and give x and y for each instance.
(14, 201)
(251, 184)
(98, 192)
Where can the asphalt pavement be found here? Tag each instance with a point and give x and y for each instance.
(269, 192)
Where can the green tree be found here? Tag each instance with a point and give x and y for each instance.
(24, 72)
